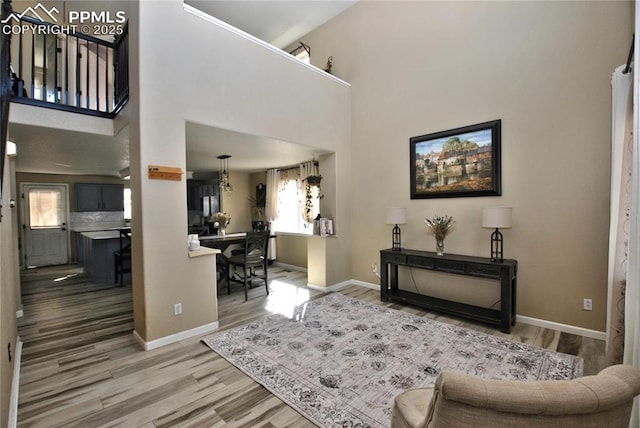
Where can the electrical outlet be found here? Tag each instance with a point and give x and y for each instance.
(177, 309)
(587, 304)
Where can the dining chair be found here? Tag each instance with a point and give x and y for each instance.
(253, 261)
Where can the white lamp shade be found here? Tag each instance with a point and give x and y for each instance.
(397, 216)
(497, 217)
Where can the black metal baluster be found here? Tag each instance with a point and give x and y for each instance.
(44, 68)
(56, 85)
(106, 79)
(78, 57)
(87, 106)
(20, 74)
(33, 65)
(66, 70)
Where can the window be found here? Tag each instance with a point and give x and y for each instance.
(303, 53)
(291, 205)
(45, 208)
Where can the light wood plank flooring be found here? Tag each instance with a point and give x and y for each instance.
(82, 368)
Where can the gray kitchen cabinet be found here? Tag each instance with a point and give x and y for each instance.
(99, 197)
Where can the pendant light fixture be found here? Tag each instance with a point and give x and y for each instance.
(225, 185)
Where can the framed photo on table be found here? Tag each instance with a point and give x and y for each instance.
(326, 227)
(457, 162)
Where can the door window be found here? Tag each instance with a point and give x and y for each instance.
(45, 208)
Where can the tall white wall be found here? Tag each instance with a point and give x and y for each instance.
(185, 68)
(9, 287)
(544, 68)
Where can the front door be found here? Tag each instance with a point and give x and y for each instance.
(46, 239)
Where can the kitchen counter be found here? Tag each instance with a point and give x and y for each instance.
(96, 227)
(97, 254)
(104, 234)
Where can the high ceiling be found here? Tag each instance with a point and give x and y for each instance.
(280, 23)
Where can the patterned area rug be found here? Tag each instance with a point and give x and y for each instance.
(340, 361)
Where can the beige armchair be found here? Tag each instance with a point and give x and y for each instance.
(459, 400)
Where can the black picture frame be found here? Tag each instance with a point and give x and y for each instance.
(458, 162)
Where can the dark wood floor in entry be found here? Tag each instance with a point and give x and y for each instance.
(81, 366)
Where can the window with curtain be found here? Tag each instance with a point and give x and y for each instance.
(291, 204)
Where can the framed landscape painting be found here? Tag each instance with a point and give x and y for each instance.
(458, 162)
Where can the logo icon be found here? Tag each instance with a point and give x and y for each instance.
(33, 13)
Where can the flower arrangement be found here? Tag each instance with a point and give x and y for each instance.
(220, 220)
(440, 226)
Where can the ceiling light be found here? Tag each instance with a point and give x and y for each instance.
(225, 184)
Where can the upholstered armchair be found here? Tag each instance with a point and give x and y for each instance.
(459, 400)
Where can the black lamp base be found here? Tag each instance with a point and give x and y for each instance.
(496, 246)
(395, 239)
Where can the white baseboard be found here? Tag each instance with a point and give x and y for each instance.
(565, 328)
(289, 267)
(370, 285)
(343, 284)
(167, 340)
(317, 287)
(329, 288)
(15, 386)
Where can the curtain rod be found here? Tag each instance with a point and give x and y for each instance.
(286, 168)
(630, 58)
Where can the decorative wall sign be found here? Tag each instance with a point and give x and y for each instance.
(157, 172)
(458, 162)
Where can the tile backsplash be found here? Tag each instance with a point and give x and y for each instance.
(96, 219)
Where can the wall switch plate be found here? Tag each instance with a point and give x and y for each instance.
(177, 309)
(587, 305)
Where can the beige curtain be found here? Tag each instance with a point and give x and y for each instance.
(621, 155)
(307, 169)
(271, 208)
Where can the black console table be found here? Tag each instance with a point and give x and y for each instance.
(481, 267)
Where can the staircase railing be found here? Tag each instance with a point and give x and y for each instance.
(67, 70)
(5, 92)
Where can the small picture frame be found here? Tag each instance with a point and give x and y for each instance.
(326, 227)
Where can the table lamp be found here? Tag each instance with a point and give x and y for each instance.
(396, 216)
(498, 218)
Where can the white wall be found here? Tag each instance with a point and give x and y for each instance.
(544, 68)
(9, 286)
(186, 68)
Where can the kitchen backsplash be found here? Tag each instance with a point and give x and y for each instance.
(93, 219)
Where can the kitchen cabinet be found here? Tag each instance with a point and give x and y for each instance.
(99, 197)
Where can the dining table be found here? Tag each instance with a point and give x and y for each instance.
(222, 242)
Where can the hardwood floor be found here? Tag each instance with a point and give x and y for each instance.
(82, 368)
